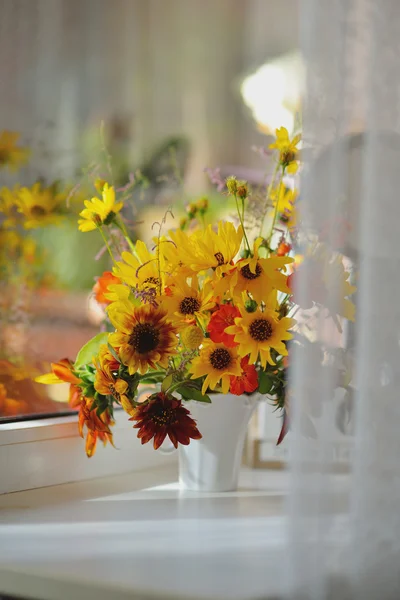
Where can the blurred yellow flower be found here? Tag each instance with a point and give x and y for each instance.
(11, 155)
(285, 198)
(8, 201)
(98, 211)
(39, 205)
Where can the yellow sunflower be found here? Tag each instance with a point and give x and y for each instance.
(98, 211)
(218, 363)
(141, 269)
(208, 249)
(258, 332)
(288, 151)
(187, 303)
(39, 205)
(11, 155)
(255, 275)
(144, 338)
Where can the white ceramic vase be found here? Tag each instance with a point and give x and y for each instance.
(212, 464)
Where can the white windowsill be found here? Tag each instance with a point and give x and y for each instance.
(49, 452)
(142, 537)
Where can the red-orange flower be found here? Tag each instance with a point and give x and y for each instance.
(247, 381)
(162, 415)
(283, 249)
(62, 371)
(100, 288)
(98, 426)
(221, 319)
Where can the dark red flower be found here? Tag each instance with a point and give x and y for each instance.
(248, 380)
(162, 415)
(221, 319)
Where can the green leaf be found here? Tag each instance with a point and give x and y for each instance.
(166, 384)
(112, 351)
(189, 393)
(90, 349)
(265, 383)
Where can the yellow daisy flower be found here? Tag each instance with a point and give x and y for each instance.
(144, 338)
(258, 332)
(11, 155)
(98, 211)
(255, 275)
(288, 150)
(39, 205)
(208, 249)
(218, 363)
(141, 269)
(186, 303)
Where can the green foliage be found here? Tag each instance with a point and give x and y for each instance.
(90, 349)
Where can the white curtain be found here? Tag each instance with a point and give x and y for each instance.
(344, 529)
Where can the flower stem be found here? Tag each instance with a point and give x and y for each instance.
(276, 208)
(269, 190)
(122, 227)
(241, 219)
(106, 244)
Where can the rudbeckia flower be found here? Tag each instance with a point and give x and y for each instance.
(217, 363)
(259, 331)
(141, 269)
(288, 150)
(144, 338)
(208, 249)
(98, 211)
(255, 275)
(164, 415)
(11, 155)
(186, 303)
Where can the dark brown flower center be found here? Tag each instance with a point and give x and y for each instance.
(37, 211)
(220, 358)
(4, 156)
(164, 416)
(144, 338)
(109, 218)
(220, 258)
(288, 157)
(114, 392)
(247, 274)
(260, 330)
(152, 281)
(189, 306)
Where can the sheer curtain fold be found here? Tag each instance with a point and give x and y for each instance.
(344, 530)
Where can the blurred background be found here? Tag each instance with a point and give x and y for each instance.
(180, 86)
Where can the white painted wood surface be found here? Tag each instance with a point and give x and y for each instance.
(138, 536)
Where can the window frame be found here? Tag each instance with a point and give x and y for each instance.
(44, 452)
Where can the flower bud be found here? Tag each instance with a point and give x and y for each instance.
(231, 184)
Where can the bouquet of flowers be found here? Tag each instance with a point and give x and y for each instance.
(202, 310)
